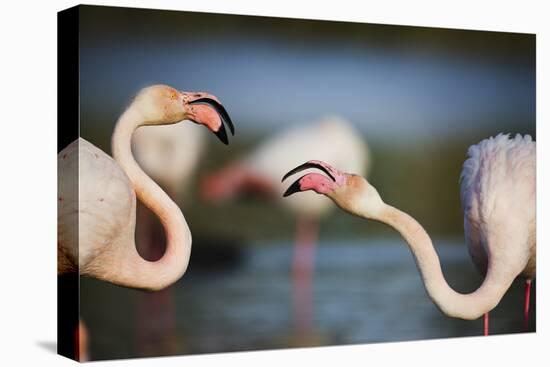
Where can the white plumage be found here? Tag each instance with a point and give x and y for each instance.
(96, 200)
(498, 194)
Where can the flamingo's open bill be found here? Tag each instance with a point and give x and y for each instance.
(315, 181)
(211, 103)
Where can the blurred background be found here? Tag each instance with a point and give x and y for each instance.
(418, 96)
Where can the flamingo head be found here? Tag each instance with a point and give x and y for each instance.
(162, 105)
(351, 192)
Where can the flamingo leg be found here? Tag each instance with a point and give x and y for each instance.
(302, 274)
(486, 324)
(526, 304)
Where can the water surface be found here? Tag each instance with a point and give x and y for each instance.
(362, 294)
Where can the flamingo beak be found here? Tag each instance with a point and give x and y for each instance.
(294, 188)
(222, 134)
(298, 186)
(224, 116)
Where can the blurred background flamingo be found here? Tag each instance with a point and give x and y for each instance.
(170, 154)
(259, 172)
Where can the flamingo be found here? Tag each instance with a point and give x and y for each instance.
(97, 199)
(96, 214)
(498, 198)
(331, 137)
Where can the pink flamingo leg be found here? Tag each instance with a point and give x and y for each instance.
(526, 304)
(486, 324)
(302, 274)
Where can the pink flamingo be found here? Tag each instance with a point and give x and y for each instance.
(103, 200)
(97, 197)
(498, 199)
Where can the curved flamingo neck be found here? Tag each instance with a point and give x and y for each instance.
(134, 270)
(466, 306)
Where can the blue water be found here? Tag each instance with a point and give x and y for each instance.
(362, 294)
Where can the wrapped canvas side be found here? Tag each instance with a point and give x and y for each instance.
(68, 336)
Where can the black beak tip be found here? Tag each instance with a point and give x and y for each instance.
(222, 135)
(294, 188)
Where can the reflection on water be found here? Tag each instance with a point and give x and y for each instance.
(362, 293)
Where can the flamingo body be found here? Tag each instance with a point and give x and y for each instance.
(498, 194)
(102, 210)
